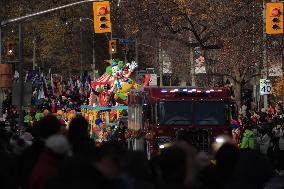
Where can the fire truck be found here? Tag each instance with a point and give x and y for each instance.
(160, 115)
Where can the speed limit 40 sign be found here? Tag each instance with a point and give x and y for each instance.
(265, 87)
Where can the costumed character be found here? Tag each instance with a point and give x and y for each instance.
(105, 96)
(236, 132)
(113, 116)
(96, 86)
(98, 130)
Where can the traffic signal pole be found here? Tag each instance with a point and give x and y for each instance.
(21, 75)
(264, 53)
(0, 45)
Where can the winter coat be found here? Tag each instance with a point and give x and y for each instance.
(281, 140)
(281, 143)
(46, 167)
(248, 139)
(264, 143)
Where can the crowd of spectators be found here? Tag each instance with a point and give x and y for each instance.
(47, 156)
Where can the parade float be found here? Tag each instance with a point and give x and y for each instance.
(108, 100)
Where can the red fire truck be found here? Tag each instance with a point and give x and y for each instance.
(159, 115)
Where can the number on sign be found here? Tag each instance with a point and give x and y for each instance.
(268, 89)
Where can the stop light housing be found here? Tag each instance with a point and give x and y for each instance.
(112, 46)
(274, 18)
(102, 22)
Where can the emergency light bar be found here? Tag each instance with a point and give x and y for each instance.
(190, 90)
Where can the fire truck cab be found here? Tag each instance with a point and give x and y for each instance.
(159, 115)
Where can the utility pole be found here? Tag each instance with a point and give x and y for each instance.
(265, 63)
(0, 45)
(136, 57)
(34, 52)
(192, 67)
(81, 51)
(21, 75)
(160, 62)
(94, 55)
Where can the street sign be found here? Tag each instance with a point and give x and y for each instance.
(125, 41)
(265, 87)
(275, 71)
(153, 80)
(200, 65)
(151, 71)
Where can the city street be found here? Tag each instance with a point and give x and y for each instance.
(130, 94)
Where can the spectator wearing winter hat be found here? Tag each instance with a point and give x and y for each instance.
(47, 166)
(46, 127)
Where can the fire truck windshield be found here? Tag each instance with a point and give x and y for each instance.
(189, 112)
(175, 113)
(210, 113)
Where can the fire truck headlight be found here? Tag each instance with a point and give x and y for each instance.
(220, 140)
(163, 146)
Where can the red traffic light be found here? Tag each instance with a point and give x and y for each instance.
(102, 11)
(275, 12)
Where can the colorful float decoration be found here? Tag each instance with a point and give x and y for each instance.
(108, 99)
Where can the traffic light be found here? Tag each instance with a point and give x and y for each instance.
(274, 18)
(102, 22)
(112, 46)
(10, 48)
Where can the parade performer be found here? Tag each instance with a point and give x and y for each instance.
(98, 130)
(236, 132)
(104, 97)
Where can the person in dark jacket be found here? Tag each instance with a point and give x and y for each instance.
(119, 133)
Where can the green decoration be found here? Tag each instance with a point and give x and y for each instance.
(120, 64)
(109, 70)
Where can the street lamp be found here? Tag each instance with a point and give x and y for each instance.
(94, 56)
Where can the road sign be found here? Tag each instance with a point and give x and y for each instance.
(265, 87)
(153, 80)
(275, 71)
(200, 65)
(125, 41)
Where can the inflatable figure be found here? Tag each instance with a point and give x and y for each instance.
(122, 81)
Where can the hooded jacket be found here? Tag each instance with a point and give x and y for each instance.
(248, 139)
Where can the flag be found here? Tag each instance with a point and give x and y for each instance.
(40, 93)
(52, 86)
